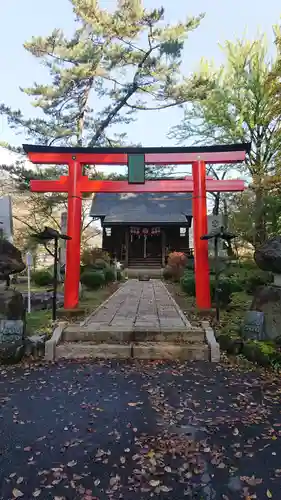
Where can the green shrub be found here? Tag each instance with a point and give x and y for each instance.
(42, 278)
(257, 278)
(240, 300)
(248, 277)
(91, 255)
(263, 353)
(119, 275)
(226, 286)
(190, 264)
(232, 344)
(109, 274)
(92, 279)
(187, 283)
(100, 264)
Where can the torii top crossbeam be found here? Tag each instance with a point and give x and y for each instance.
(75, 184)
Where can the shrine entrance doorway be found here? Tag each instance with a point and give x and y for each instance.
(145, 244)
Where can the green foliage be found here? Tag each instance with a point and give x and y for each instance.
(91, 256)
(42, 278)
(242, 105)
(263, 353)
(227, 285)
(128, 60)
(190, 264)
(100, 264)
(240, 300)
(231, 343)
(187, 283)
(249, 278)
(109, 274)
(92, 279)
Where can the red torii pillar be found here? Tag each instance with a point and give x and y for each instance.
(75, 184)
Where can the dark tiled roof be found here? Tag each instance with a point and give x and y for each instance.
(131, 208)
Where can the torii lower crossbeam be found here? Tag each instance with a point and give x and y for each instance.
(75, 184)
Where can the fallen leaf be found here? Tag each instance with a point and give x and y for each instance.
(150, 454)
(19, 480)
(154, 483)
(97, 482)
(72, 463)
(235, 432)
(17, 493)
(251, 481)
(165, 489)
(122, 460)
(167, 469)
(36, 493)
(114, 480)
(268, 494)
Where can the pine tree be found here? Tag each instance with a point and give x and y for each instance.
(112, 67)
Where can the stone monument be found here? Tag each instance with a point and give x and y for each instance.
(267, 298)
(12, 308)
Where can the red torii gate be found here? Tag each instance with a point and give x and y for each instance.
(76, 183)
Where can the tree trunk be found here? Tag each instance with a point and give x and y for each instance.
(260, 235)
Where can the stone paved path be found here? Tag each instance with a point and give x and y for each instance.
(111, 431)
(140, 304)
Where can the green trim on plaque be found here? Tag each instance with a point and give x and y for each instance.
(136, 169)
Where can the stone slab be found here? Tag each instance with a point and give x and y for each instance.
(155, 351)
(144, 304)
(50, 345)
(114, 335)
(93, 351)
(213, 345)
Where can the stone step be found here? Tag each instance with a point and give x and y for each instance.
(141, 350)
(74, 333)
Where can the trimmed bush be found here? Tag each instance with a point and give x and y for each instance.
(91, 255)
(42, 278)
(188, 284)
(227, 286)
(109, 274)
(92, 279)
(177, 263)
(100, 264)
(190, 264)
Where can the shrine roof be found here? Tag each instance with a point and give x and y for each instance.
(142, 208)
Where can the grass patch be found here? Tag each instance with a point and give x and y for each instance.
(41, 321)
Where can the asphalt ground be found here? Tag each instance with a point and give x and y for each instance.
(139, 431)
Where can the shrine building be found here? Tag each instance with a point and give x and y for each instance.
(141, 229)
